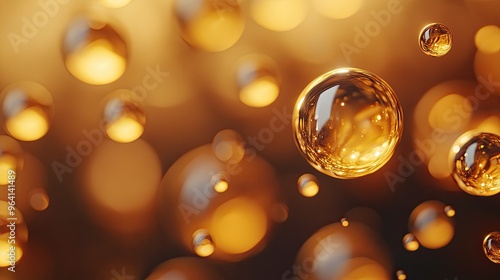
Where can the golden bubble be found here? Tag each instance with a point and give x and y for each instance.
(450, 211)
(487, 39)
(435, 39)
(491, 246)
(430, 225)
(124, 119)
(338, 9)
(279, 212)
(115, 3)
(94, 52)
(344, 222)
(228, 146)
(11, 158)
(220, 183)
(410, 242)
(347, 123)
(21, 234)
(27, 110)
(476, 164)
(39, 200)
(210, 25)
(258, 81)
(203, 244)
(401, 275)
(308, 185)
(269, 14)
(184, 268)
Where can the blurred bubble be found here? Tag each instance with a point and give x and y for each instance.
(476, 163)
(347, 123)
(39, 200)
(124, 119)
(410, 242)
(450, 211)
(228, 146)
(435, 39)
(270, 15)
(114, 3)
(220, 183)
(487, 39)
(439, 120)
(487, 73)
(308, 185)
(338, 252)
(27, 110)
(338, 9)
(11, 158)
(210, 25)
(401, 275)
(279, 212)
(13, 252)
(94, 52)
(258, 82)
(430, 225)
(202, 243)
(491, 246)
(239, 219)
(184, 268)
(344, 222)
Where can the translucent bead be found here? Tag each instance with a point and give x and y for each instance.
(435, 39)
(430, 225)
(476, 163)
(491, 246)
(347, 123)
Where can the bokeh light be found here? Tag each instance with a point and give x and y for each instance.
(270, 15)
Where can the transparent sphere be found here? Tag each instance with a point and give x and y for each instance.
(410, 242)
(347, 123)
(430, 225)
(27, 110)
(491, 246)
(308, 185)
(210, 25)
(435, 39)
(124, 119)
(476, 163)
(94, 52)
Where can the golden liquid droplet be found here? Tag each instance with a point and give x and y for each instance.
(450, 211)
(430, 225)
(210, 25)
(344, 222)
(27, 110)
(410, 242)
(269, 14)
(39, 200)
(94, 52)
(487, 39)
(114, 3)
(228, 146)
(220, 183)
(308, 185)
(347, 123)
(124, 119)
(257, 80)
(202, 243)
(401, 275)
(476, 165)
(435, 39)
(491, 246)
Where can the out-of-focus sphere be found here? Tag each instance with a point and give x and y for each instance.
(435, 39)
(491, 246)
(308, 185)
(487, 39)
(114, 3)
(11, 158)
(94, 52)
(401, 275)
(347, 123)
(338, 9)
(184, 268)
(410, 242)
(430, 225)
(476, 165)
(210, 25)
(269, 13)
(27, 110)
(487, 73)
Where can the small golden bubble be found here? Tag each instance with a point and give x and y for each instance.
(410, 242)
(435, 39)
(308, 185)
(491, 246)
(450, 211)
(220, 183)
(401, 275)
(203, 244)
(344, 222)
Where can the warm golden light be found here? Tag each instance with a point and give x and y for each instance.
(487, 39)
(443, 118)
(94, 52)
(202, 243)
(238, 225)
(7, 162)
(401, 275)
(115, 3)
(308, 185)
(227, 146)
(39, 200)
(221, 185)
(344, 222)
(270, 15)
(430, 225)
(124, 119)
(124, 130)
(28, 125)
(450, 211)
(363, 269)
(5, 249)
(410, 242)
(260, 92)
(338, 9)
(210, 25)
